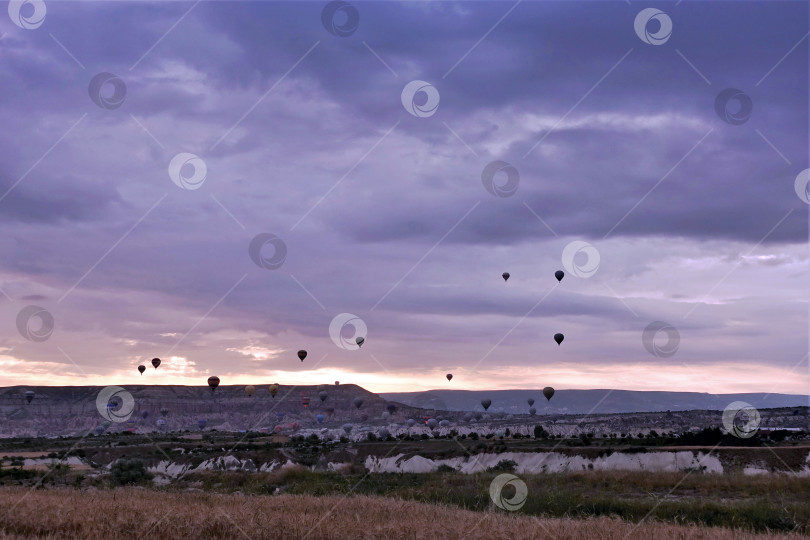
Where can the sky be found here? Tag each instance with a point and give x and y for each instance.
(221, 184)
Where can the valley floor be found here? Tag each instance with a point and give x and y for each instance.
(140, 513)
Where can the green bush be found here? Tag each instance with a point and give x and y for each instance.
(125, 472)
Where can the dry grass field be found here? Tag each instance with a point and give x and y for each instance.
(142, 514)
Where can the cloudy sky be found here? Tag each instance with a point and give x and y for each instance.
(147, 146)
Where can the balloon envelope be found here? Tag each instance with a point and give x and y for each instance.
(141, 369)
(485, 403)
(213, 382)
(559, 338)
(411, 422)
(347, 428)
(505, 276)
(360, 341)
(250, 389)
(449, 376)
(273, 389)
(391, 408)
(156, 362)
(444, 423)
(432, 423)
(530, 401)
(323, 395)
(164, 411)
(358, 402)
(319, 418)
(548, 392)
(302, 354)
(532, 411)
(29, 396)
(201, 422)
(559, 274)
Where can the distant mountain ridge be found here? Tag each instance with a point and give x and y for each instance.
(589, 401)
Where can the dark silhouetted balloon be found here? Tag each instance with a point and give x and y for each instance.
(144, 414)
(164, 411)
(363, 416)
(141, 369)
(360, 341)
(323, 395)
(411, 422)
(485, 403)
(532, 411)
(29, 396)
(305, 401)
(330, 410)
(250, 389)
(347, 428)
(530, 401)
(559, 274)
(337, 383)
(213, 382)
(202, 422)
(156, 362)
(358, 402)
(449, 376)
(391, 408)
(505, 276)
(319, 418)
(274, 390)
(548, 392)
(302, 354)
(432, 423)
(559, 338)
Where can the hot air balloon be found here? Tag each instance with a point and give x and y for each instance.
(444, 423)
(305, 401)
(156, 362)
(347, 428)
(277, 429)
(302, 354)
(337, 383)
(323, 395)
(295, 426)
(213, 382)
(532, 411)
(161, 422)
(383, 433)
(29, 396)
(360, 341)
(411, 422)
(485, 403)
(250, 389)
(449, 376)
(530, 401)
(386, 415)
(559, 338)
(505, 276)
(432, 423)
(279, 416)
(319, 418)
(358, 402)
(548, 392)
(363, 417)
(164, 411)
(330, 410)
(99, 430)
(391, 408)
(141, 369)
(144, 414)
(274, 390)
(559, 274)
(202, 422)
